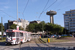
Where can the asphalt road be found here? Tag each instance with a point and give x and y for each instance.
(40, 46)
(33, 45)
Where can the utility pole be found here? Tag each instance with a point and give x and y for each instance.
(2, 27)
(17, 12)
(17, 25)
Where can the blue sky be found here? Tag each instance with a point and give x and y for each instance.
(8, 10)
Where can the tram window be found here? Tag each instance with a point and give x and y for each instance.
(17, 34)
(21, 34)
(12, 34)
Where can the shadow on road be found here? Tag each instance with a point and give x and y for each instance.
(44, 48)
(2, 43)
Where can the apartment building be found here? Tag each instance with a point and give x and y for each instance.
(69, 20)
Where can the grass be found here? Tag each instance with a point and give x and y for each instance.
(4, 39)
(54, 40)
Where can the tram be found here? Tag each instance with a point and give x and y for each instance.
(17, 36)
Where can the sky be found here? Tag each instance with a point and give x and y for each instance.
(8, 10)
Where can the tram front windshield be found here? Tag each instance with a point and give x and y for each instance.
(10, 34)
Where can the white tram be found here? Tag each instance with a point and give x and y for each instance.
(17, 36)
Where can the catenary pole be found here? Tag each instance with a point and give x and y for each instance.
(2, 27)
(17, 12)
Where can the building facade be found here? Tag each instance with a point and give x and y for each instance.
(21, 22)
(5, 26)
(35, 22)
(69, 20)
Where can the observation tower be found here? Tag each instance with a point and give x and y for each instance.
(51, 13)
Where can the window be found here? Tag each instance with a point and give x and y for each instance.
(73, 14)
(69, 14)
(72, 11)
(21, 34)
(67, 20)
(65, 15)
(72, 17)
(10, 34)
(17, 34)
(66, 23)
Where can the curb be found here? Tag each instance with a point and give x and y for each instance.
(57, 42)
(65, 42)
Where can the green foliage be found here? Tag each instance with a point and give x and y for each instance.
(1, 26)
(65, 31)
(36, 27)
(13, 26)
(53, 28)
(48, 27)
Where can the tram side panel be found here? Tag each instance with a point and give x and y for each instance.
(17, 37)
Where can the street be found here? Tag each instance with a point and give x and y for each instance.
(33, 45)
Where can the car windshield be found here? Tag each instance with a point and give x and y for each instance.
(10, 34)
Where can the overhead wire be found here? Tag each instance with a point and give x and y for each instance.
(51, 5)
(7, 14)
(59, 5)
(25, 7)
(48, 7)
(44, 8)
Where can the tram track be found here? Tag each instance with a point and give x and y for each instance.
(34, 44)
(42, 43)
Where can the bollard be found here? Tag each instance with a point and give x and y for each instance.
(40, 36)
(48, 40)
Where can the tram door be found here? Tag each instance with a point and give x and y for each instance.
(17, 37)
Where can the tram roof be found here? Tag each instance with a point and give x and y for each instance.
(14, 30)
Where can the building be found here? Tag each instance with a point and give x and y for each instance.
(69, 20)
(21, 22)
(35, 21)
(5, 26)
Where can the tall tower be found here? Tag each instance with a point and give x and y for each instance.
(51, 13)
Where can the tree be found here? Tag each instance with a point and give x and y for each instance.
(42, 26)
(30, 27)
(13, 26)
(1, 26)
(35, 27)
(48, 27)
(53, 28)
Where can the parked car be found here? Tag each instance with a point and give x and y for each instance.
(53, 36)
(64, 35)
(74, 35)
(58, 36)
